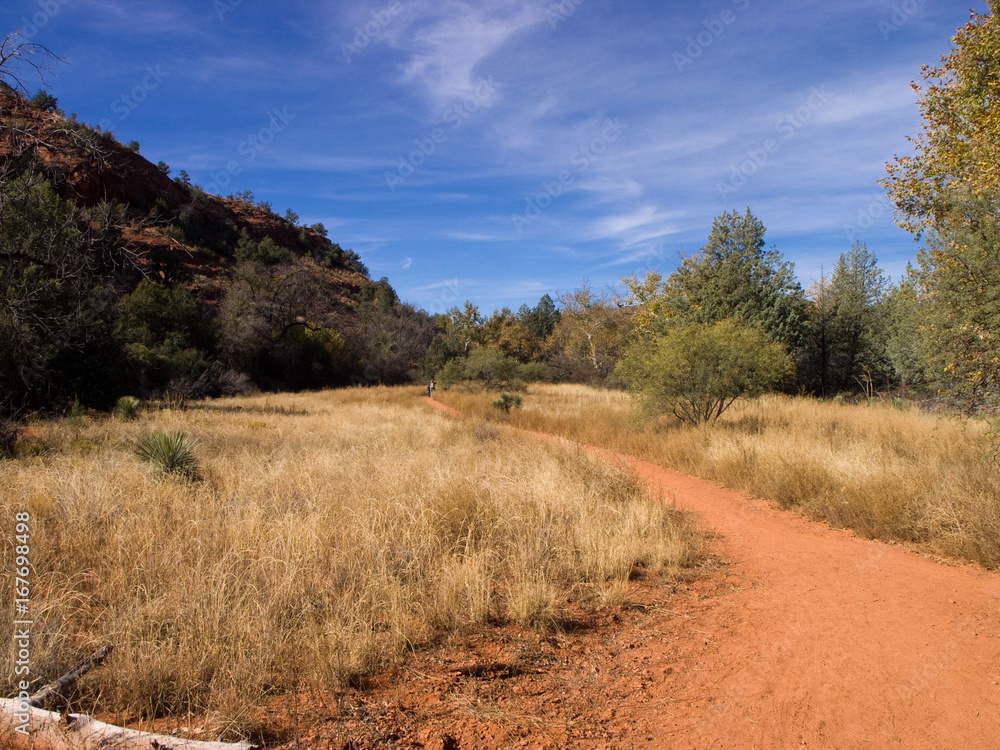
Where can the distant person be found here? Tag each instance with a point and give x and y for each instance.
(430, 388)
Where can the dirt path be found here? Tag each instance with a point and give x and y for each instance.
(821, 639)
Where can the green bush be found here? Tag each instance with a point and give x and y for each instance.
(490, 369)
(45, 101)
(172, 451)
(508, 401)
(696, 371)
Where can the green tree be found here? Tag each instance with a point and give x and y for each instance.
(165, 338)
(541, 319)
(696, 371)
(45, 101)
(948, 191)
(814, 353)
(464, 327)
(490, 369)
(265, 251)
(857, 329)
(507, 333)
(957, 156)
(958, 278)
(732, 276)
(58, 266)
(279, 324)
(906, 344)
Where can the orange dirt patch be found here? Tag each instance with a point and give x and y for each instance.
(832, 641)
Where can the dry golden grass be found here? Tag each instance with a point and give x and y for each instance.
(328, 533)
(891, 474)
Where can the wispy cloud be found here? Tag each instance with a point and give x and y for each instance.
(447, 41)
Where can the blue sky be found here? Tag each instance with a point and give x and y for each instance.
(498, 150)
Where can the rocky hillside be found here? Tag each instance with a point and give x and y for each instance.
(172, 224)
(119, 278)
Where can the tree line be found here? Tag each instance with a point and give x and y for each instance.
(82, 319)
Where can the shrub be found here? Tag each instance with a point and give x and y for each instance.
(172, 451)
(491, 369)
(127, 408)
(235, 383)
(45, 101)
(508, 401)
(696, 371)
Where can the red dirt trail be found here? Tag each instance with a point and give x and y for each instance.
(827, 641)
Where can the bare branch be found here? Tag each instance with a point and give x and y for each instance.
(18, 53)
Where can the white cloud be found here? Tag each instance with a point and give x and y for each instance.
(641, 225)
(448, 44)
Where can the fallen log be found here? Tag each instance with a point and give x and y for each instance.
(58, 688)
(48, 730)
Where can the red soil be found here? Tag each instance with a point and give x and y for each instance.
(800, 636)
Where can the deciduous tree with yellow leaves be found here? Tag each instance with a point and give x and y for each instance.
(948, 193)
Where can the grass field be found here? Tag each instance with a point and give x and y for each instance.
(326, 534)
(893, 474)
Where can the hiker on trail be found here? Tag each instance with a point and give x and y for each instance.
(430, 388)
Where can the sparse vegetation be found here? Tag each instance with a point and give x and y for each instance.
(331, 533)
(891, 474)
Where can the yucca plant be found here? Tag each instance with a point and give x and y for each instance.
(508, 401)
(172, 451)
(127, 408)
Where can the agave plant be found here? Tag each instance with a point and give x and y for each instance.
(127, 408)
(172, 451)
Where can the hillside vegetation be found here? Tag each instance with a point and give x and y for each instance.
(318, 538)
(116, 278)
(889, 473)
